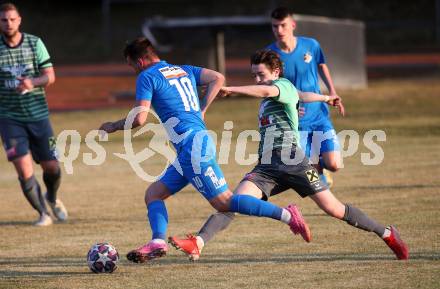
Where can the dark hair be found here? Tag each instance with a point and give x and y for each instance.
(281, 13)
(268, 57)
(7, 6)
(139, 48)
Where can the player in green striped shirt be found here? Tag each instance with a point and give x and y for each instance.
(282, 165)
(25, 129)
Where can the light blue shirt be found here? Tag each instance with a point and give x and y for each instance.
(301, 68)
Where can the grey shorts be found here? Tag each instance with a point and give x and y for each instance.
(277, 177)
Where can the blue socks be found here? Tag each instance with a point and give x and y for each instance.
(158, 217)
(323, 179)
(251, 206)
(243, 204)
(321, 176)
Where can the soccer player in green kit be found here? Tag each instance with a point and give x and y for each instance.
(25, 129)
(282, 164)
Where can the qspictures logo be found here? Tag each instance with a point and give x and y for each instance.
(164, 136)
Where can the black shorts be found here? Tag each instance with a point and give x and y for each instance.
(20, 137)
(278, 177)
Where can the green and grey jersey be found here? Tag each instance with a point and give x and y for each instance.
(25, 59)
(278, 119)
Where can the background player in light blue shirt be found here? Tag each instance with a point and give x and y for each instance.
(304, 62)
(171, 91)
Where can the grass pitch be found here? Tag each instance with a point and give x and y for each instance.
(106, 204)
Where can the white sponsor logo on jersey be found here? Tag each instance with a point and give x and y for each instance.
(172, 72)
(15, 71)
(308, 57)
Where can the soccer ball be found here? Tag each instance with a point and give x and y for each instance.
(103, 258)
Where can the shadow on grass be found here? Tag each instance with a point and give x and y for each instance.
(36, 274)
(31, 224)
(77, 266)
(389, 187)
(74, 266)
(285, 259)
(75, 221)
(44, 261)
(16, 223)
(321, 257)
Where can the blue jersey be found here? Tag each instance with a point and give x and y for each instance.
(301, 68)
(172, 91)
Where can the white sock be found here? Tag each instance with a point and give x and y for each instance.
(285, 216)
(200, 243)
(387, 233)
(158, 241)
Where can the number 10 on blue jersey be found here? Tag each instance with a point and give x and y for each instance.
(186, 92)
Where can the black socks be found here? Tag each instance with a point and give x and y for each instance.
(52, 182)
(32, 192)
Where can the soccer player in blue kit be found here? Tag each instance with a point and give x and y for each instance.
(304, 62)
(171, 91)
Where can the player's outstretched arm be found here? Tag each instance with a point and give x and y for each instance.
(143, 107)
(333, 100)
(324, 72)
(261, 91)
(214, 81)
(315, 97)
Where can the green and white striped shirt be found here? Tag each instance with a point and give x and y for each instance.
(25, 59)
(278, 119)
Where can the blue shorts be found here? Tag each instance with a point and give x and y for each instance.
(205, 175)
(319, 138)
(21, 137)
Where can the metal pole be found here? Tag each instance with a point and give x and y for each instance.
(220, 51)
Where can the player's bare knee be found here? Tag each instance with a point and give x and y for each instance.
(330, 209)
(332, 166)
(151, 196)
(148, 198)
(334, 211)
(25, 174)
(222, 207)
(24, 167)
(220, 204)
(156, 191)
(337, 214)
(51, 167)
